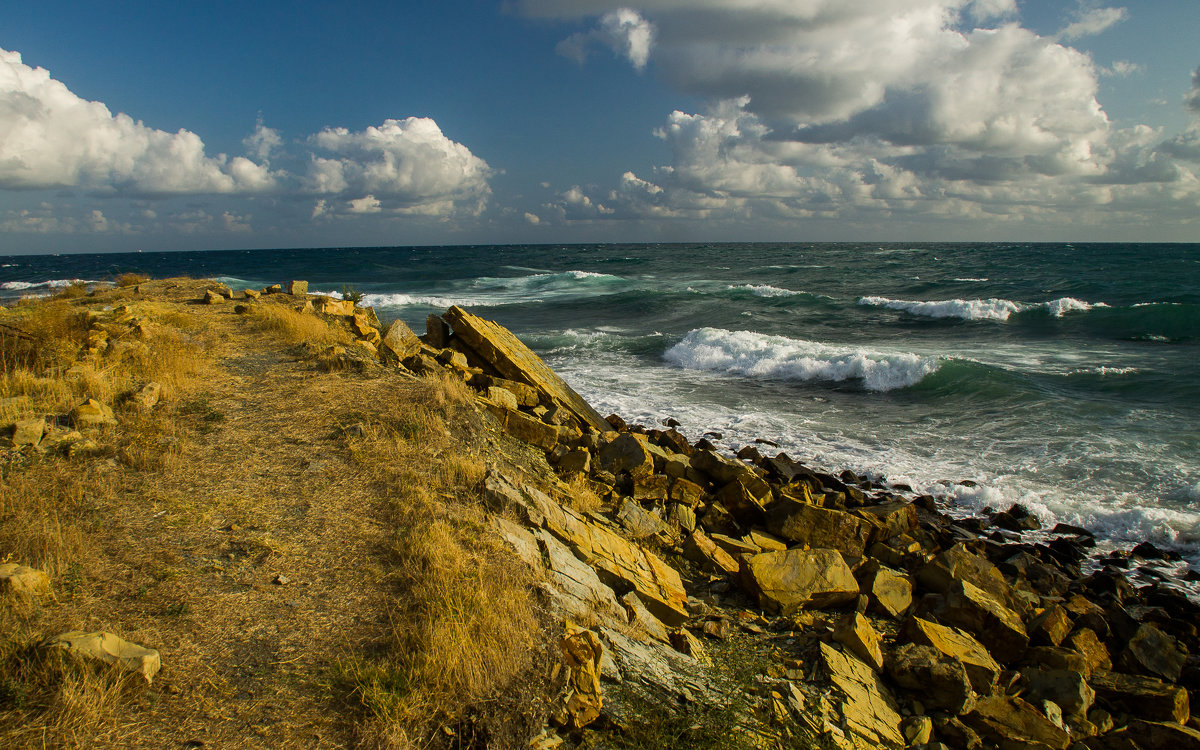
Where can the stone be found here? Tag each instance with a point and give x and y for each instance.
(22, 581)
(400, 340)
(526, 428)
(582, 652)
(682, 516)
(576, 461)
(958, 734)
(341, 308)
(722, 470)
(888, 592)
(625, 565)
(856, 633)
(28, 432)
(213, 297)
(650, 489)
(147, 396)
(747, 507)
(684, 642)
(866, 707)
(1158, 735)
(1152, 652)
(109, 649)
(704, 551)
(812, 526)
(995, 625)
(917, 730)
(640, 523)
(686, 492)
(1050, 627)
(982, 670)
(959, 563)
(437, 333)
(297, 288)
(273, 289)
(640, 617)
(890, 519)
(1087, 644)
(91, 413)
(939, 681)
(657, 674)
(786, 582)
(505, 353)
(766, 542)
(578, 591)
(1068, 690)
(736, 546)
(502, 397)
(251, 293)
(521, 539)
(1146, 697)
(628, 455)
(1001, 719)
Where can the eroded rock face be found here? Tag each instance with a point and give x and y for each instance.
(109, 649)
(512, 359)
(868, 710)
(795, 579)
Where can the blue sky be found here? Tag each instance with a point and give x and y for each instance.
(230, 125)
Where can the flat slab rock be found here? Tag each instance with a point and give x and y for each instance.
(869, 714)
(109, 649)
(794, 579)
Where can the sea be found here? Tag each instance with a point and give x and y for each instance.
(1062, 377)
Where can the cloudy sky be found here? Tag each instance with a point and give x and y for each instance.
(269, 124)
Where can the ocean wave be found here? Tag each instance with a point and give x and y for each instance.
(20, 286)
(757, 355)
(968, 279)
(979, 309)
(765, 290)
(497, 291)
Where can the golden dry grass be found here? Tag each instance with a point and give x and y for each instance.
(130, 279)
(296, 327)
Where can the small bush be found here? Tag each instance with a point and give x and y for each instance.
(130, 279)
(351, 294)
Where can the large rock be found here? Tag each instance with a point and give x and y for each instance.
(626, 454)
(91, 413)
(995, 625)
(526, 428)
(1145, 697)
(959, 563)
(816, 527)
(890, 519)
(938, 680)
(868, 710)
(400, 340)
(505, 353)
(582, 652)
(27, 432)
(888, 592)
(720, 469)
(1013, 720)
(297, 288)
(1152, 652)
(577, 590)
(1155, 735)
(981, 668)
(109, 649)
(795, 579)
(22, 581)
(699, 548)
(856, 633)
(1068, 690)
(742, 498)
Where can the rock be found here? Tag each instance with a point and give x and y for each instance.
(959, 563)
(890, 519)
(813, 527)
(765, 541)
(1068, 690)
(575, 462)
(504, 352)
(658, 674)
(1017, 518)
(1152, 652)
(981, 668)
(795, 579)
(341, 308)
(741, 501)
(958, 734)
(502, 397)
(888, 592)
(640, 617)
(625, 565)
(684, 642)
(437, 333)
(638, 522)
(27, 432)
(704, 551)
(722, 470)
(578, 591)
(297, 288)
(995, 625)
(686, 492)
(1050, 627)
(1095, 654)
(110, 649)
(917, 730)
(628, 455)
(651, 489)
(22, 581)
(1156, 735)
(400, 340)
(1146, 697)
(736, 546)
(212, 297)
(682, 516)
(147, 397)
(938, 680)
(273, 289)
(581, 705)
(526, 428)
(1007, 720)
(866, 707)
(251, 294)
(91, 413)
(855, 633)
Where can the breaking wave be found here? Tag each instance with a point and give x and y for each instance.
(979, 309)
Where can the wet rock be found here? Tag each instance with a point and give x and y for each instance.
(1017, 518)
(109, 649)
(786, 582)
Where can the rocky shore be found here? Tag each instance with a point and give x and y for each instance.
(777, 605)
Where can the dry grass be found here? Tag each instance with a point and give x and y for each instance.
(581, 497)
(296, 327)
(130, 279)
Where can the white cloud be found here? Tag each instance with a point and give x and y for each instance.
(1192, 99)
(368, 204)
(262, 141)
(1121, 69)
(533, 219)
(624, 31)
(49, 137)
(410, 165)
(1092, 21)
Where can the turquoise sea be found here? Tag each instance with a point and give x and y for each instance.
(1065, 377)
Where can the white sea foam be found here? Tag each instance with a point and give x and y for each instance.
(968, 279)
(979, 309)
(756, 355)
(765, 290)
(20, 286)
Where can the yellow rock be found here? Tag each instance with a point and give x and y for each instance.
(22, 581)
(109, 649)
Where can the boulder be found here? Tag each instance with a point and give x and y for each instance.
(400, 340)
(682, 516)
(297, 288)
(936, 679)
(866, 707)
(109, 649)
(812, 526)
(651, 489)
(1087, 644)
(626, 454)
(959, 563)
(748, 508)
(889, 593)
(1145, 697)
(576, 588)
(22, 581)
(526, 428)
(765, 541)
(1066, 689)
(27, 432)
(720, 469)
(212, 297)
(1152, 652)
(582, 702)
(856, 633)
(686, 492)
(1158, 735)
(505, 353)
(91, 413)
(502, 397)
(576, 461)
(704, 551)
(342, 308)
(251, 293)
(995, 625)
(1050, 627)
(1004, 720)
(890, 519)
(786, 582)
(437, 333)
(981, 668)
(640, 523)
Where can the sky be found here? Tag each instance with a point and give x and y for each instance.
(220, 125)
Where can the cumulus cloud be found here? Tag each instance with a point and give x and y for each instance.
(404, 165)
(262, 142)
(49, 137)
(624, 31)
(1092, 21)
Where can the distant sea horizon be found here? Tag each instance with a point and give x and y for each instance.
(1062, 376)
